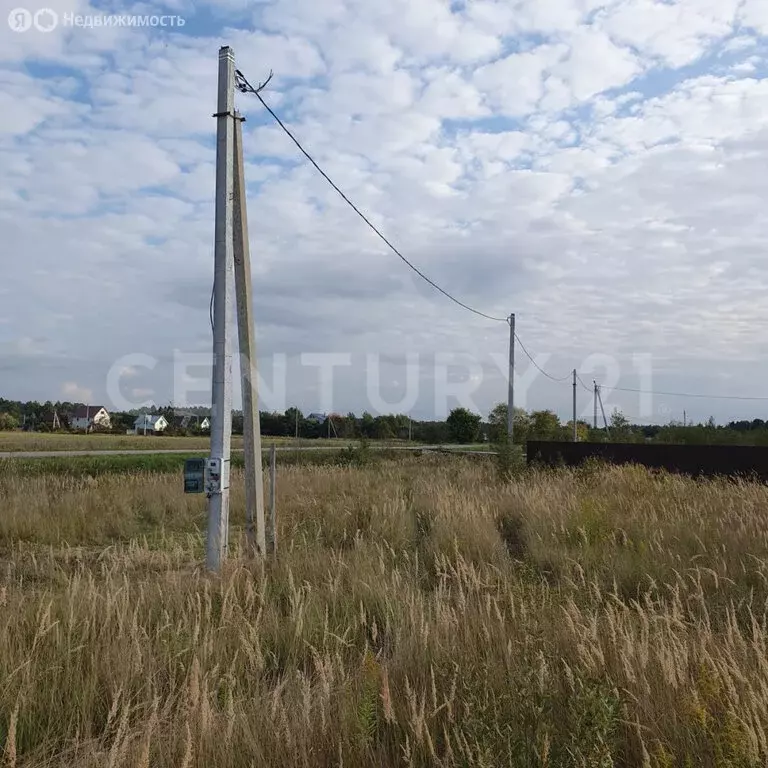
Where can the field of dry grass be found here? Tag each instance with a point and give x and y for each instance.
(420, 613)
(56, 441)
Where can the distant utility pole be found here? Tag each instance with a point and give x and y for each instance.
(254, 482)
(221, 407)
(684, 424)
(594, 396)
(511, 389)
(575, 431)
(602, 410)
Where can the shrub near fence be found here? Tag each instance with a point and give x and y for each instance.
(703, 460)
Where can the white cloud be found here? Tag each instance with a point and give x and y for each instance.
(738, 43)
(533, 16)
(677, 33)
(702, 111)
(488, 147)
(26, 103)
(73, 392)
(427, 30)
(754, 14)
(595, 64)
(515, 84)
(451, 96)
(554, 77)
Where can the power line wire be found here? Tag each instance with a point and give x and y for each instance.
(537, 366)
(245, 87)
(697, 395)
(683, 394)
(210, 306)
(675, 394)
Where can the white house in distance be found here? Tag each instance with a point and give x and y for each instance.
(86, 417)
(148, 422)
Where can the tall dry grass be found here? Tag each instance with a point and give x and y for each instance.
(418, 614)
(16, 441)
(62, 441)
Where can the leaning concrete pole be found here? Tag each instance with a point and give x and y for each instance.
(254, 483)
(221, 406)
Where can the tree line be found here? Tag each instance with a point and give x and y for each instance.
(461, 426)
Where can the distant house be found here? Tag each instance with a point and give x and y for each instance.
(148, 422)
(205, 424)
(317, 418)
(87, 417)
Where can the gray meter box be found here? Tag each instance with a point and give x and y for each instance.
(213, 475)
(194, 476)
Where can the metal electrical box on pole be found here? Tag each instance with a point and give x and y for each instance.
(194, 476)
(218, 465)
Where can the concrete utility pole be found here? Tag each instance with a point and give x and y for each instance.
(575, 431)
(254, 481)
(511, 390)
(221, 410)
(602, 410)
(594, 396)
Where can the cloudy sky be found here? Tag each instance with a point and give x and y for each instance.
(598, 168)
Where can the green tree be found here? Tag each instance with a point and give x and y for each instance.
(121, 421)
(463, 426)
(582, 431)
(545, 425)
(383, 428)
(7, 421)
(431, 432)
(497, 420)
(621, 429)
(294, 420)
(367, 425)
(349, 426)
